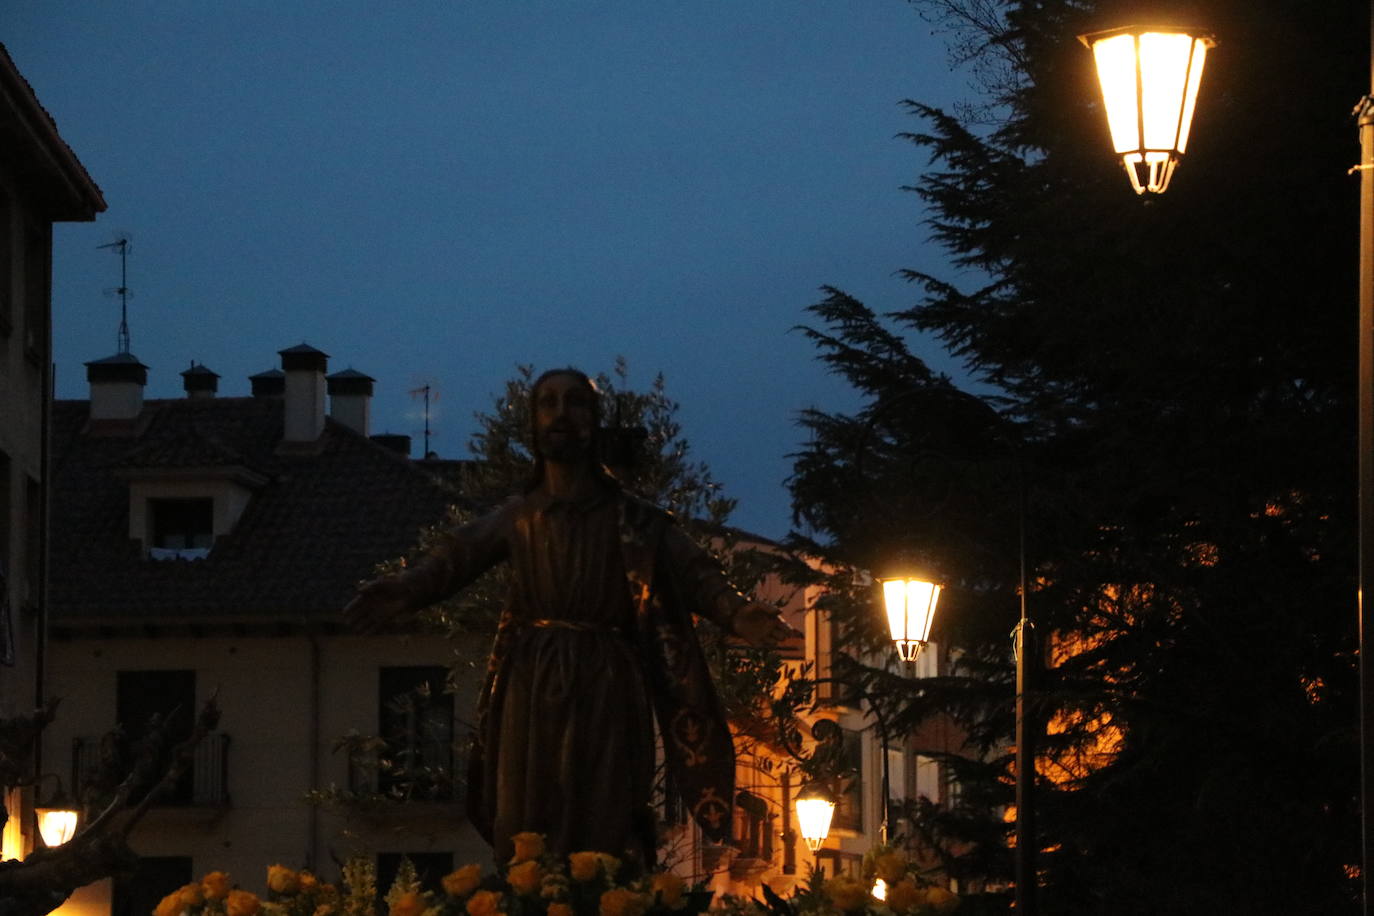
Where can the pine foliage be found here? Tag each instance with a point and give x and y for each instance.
(1172, 389)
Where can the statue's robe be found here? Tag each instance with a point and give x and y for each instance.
(596, 632)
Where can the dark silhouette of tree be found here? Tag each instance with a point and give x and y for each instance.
(1172, 378)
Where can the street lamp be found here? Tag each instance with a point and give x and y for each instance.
(1149, 78)
(815, 808)
(910, 604)
(57, 819)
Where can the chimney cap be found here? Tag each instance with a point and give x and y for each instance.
(198, 370)
(268, 384)
(122, 367)
(303, 356)
(349, 382)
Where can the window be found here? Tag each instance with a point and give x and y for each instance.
(927, 778)
(415, 718)
(144, 696)
(849, 806)
(181, 528)
(753, 827)
(836, 863)
(154, 877)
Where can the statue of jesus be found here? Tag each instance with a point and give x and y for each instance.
(594, 643)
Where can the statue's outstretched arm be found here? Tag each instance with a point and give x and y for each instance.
(457, 557)
(713, 597)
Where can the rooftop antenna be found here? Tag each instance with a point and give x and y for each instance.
(121, 245)
(426, 390)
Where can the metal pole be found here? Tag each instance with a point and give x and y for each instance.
(1027, 654)
(1366, 470)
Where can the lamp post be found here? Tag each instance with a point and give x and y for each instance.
(1149, 77)
(1365, 114)
(1116, 75)
(1024, 646)
(815, 809)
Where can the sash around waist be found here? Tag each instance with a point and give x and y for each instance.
(577, 625)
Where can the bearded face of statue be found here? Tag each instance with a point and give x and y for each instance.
(565, 417)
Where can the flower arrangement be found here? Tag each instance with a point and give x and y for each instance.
(533, 883)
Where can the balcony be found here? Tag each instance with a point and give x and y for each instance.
(202, 792)
(412, 785)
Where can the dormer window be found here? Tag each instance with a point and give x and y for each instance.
(181, 528)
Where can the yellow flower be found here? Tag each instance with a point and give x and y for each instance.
(620, 901)
(463, 881)
(845, 893)
(242, 903)
(890, 866)
(282, 880)
(559, 909)
(527, 846)
(609, 863)
(584, 866)
(942, 900)
(903, 896)
(308, 880)
(408, 904)
(668, 888)
(484, 903)
(169, 905)
(191, 895)
(525, 877)
(215, 885)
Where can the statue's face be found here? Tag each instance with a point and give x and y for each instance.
(564, 418)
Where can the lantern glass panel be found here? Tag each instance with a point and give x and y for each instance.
(1164, 80)
(910, 607)
(1116, 72)
(56, 825)
(814, 814)
(1190, 99)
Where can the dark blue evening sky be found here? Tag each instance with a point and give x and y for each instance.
(439, 191)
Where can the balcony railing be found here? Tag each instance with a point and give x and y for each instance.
(436, 773)
(206, 785)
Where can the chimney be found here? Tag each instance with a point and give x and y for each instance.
(304, 367)
(199, 381)
(397, 442)
(350, 399)
(116, 387)
(269, 384)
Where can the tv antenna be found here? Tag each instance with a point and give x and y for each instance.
(426, 390)
(121, 247)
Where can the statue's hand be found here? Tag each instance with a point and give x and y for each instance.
(378, 603)
(761, 625)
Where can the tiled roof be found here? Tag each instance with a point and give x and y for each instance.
(318, 526)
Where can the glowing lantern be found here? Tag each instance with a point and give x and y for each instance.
(56, 822)
(1149, 78)
(910, 613)
(815, 808)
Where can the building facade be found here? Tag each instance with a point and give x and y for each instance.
(41, 182)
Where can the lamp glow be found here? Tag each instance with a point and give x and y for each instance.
(1149, 78)
(815, 808)
(56, 825)
(910, 613)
